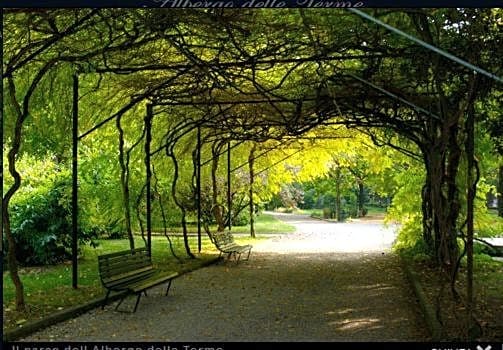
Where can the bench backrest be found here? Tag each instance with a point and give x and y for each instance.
(223, 238)
(124, 267)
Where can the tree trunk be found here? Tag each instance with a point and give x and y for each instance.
(361, 199)
(338, 194)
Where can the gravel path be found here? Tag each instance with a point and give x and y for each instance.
(307, 286)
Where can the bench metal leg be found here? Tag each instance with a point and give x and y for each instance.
(137, 302)
(138, 296)
(120, 302)
(167, 289)
(237, 256)
(105, 301)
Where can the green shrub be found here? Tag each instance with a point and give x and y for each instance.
(416, 250)
(242, 219)
(315, 213)
(42, 227)
(112, 229)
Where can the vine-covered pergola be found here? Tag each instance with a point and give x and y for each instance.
(356, 79)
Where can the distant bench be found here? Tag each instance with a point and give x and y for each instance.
(132, 272)
(494, 245)
(224, 241)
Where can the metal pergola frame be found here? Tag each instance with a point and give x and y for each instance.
(148, 125)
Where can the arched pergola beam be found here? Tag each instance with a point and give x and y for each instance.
(230, 102)
(134, 101)
(248, 63)
(178, 132)
(259, 155)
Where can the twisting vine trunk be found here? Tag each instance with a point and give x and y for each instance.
(471, 183)
(170, 153)
(452, 215)
(163, 214)
(427, 213)
(442, 163)
(11, 254)
(441, 208)
(124, 184)
(124, 165)
(217, 208)
(22, 113)
(441, 148)
(139, 198)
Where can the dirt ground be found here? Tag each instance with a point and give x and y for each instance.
(487, 325)
(272, 297)
(326, 282)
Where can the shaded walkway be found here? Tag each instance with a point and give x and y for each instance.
(298, 296)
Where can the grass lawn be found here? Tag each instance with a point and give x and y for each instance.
(48, 288)
(311, 212)
(264, 224)
(372, 211)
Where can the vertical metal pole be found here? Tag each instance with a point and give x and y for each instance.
(75, 143)
(470, 196)
(229, 199)
(1, 136)
(198, 185)
(251, 161)
(148, 129)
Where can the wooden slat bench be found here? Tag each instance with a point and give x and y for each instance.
(224, 241)
(132, 272)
